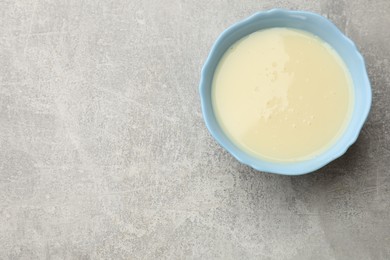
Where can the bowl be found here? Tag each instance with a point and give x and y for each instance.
(328, 32)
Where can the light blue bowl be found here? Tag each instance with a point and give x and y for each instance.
(328, 32)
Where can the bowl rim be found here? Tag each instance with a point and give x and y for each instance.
(283, 168)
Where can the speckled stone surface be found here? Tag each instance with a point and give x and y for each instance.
(104, 153)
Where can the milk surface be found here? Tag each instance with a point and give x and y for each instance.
(282, 94)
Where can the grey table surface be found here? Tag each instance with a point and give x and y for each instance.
(104, 153)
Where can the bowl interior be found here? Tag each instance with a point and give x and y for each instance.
(329, 33)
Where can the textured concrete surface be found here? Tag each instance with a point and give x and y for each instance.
(104, 154)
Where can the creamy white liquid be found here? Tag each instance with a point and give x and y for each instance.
(282, 94)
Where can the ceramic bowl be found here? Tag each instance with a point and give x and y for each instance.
(328, 32)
